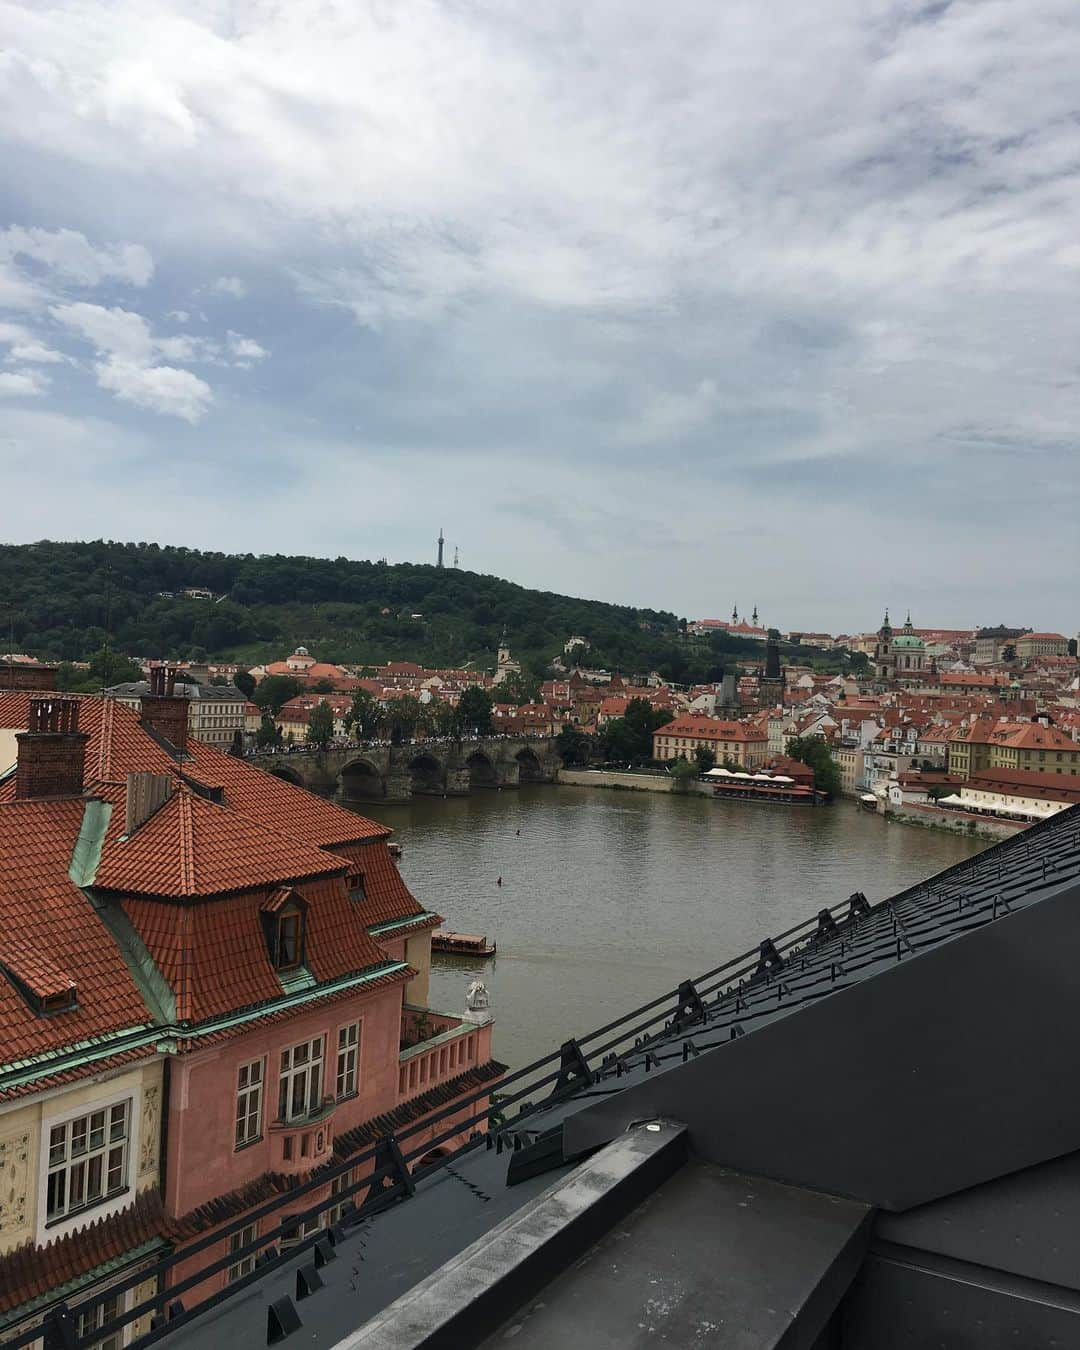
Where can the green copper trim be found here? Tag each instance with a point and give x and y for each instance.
(293, 980)
(111, 1267)
(154, 988)
(87, 851)
(377, 929)
(163, 1038)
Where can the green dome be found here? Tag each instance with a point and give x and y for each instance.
(905, 640)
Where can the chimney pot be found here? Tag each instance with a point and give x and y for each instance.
(164, 712)
(52, 753)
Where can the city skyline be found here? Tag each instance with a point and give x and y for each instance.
(655, 307)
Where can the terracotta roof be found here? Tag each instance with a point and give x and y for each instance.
(709, 728)
(29, 1272)
(51, 932)
(1032, 736)
(194, 847)
(386, 897)
(277, 804)
(214, 954)
(1054, 787)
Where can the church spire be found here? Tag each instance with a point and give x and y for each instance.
(753, 617)
(735, 614)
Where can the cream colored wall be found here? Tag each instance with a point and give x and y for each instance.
(418, 955)
(21, 1149)
(9, 747)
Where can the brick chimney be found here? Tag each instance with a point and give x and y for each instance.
(52, 753)
(164, 712)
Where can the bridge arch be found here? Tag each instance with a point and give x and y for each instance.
(427, 775)
(530, 769)
(481, 770)
(361, 781)
(289, 775)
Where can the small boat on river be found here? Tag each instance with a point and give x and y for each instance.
(461, 944)
(395, 850)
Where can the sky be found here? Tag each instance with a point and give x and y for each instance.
(683, 305)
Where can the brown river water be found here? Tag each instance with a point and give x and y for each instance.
(608, 898)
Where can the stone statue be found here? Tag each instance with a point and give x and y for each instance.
(476, 997)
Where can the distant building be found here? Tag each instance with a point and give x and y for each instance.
(747, 745)
(1031, 746)
(302, 666)
(505, 665)
(215, 712)
(898, 656)
(198, 593)
(1041, 644)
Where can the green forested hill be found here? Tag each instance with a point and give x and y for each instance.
(62, 599)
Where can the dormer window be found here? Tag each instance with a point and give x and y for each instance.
(284, 917)
(290, 940)
(45, 989)
(354, 883)
(59, 1002)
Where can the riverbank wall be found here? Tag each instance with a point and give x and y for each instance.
(956, 822)
(629, 782)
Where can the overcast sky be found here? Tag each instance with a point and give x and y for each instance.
(681, 304)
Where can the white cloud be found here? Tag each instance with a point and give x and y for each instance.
(35, 353)
(72, 257)
(229, 286)
(162, 389)
(22, 384)
(180, 315)
(246, 351)
(749, 236)
(119, 332)
(128, 350)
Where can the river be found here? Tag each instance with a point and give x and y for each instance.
(608, 898)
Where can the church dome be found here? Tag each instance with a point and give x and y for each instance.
(908, 640)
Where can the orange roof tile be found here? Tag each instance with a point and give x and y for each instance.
(194, 847)
(42, 911)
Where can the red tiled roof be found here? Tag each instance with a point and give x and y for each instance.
(386, 897)
(277, 804)
(30, 1272)
(263, 833)
(42, 911)
(194, 847)
(1059, 787)
(214, 954)
(710, 728)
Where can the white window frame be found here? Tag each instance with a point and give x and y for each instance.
(97, 1313)
(245, 1092)
(339, 1184)
(246, 1264)
(310, 1070)
(47, 1229)
(349, 1051)
(303, 1230)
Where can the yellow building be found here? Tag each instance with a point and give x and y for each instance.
(1032, 746)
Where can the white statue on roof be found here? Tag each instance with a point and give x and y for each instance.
(477, 1003)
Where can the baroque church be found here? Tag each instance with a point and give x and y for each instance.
(898, 656)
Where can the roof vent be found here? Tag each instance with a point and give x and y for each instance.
(145, 793)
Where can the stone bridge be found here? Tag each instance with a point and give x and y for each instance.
(425, 768)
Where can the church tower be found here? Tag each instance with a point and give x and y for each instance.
(883, 655)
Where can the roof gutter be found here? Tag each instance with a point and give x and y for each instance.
(164, 1037)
